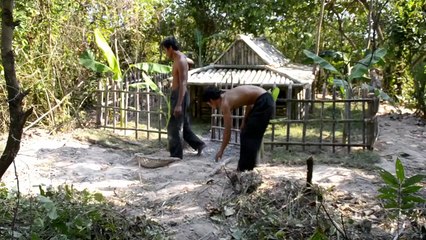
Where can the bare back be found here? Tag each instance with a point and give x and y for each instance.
(245, 95)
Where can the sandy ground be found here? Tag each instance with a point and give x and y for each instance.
(177, 195)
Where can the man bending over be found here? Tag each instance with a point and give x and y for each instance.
(259, 108)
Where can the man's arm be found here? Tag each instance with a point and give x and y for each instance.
(227, 122)
(183, 78)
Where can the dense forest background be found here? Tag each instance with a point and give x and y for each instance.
(51, 35)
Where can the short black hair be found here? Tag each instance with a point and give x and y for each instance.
(170, 42)
(211, 93)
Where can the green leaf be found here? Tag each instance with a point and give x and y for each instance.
(150, 83)
(388, 190)
(382, 95)
(411, 189)
(52, 214)
(108, 54)
(399, 168)
(140, 85)
(151, 68)
(318, 235)
(361, 68)
(388, 178)
(407, 206)
(99, 197)
(340, 83)
(391, 204)
(413, 180)
(387, 196)
(275, 92)
(416, 199)
(321, 62)
(87, 59)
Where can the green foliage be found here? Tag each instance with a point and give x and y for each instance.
(67, 213)
(400, 194)
(346, 81)
(109, 55)
(87, 59)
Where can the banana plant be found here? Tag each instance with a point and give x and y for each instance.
(148, 69)
(87, 59)
(359, 71)
(345, 81)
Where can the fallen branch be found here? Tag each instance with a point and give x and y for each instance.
(221, 165)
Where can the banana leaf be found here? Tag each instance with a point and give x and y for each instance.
(109, 55)
(361, 68)
(321, 62)
(87, 59)
(151, 68)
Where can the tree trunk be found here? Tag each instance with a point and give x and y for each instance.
(15, 95)
(317, 48)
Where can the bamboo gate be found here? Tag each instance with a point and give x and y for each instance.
(130, 107)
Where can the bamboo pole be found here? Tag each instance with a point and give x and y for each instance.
(333, 127)
(137, 107)
(148, 108)
(289, 106)
(107, 89)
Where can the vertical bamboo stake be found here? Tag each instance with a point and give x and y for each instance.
(137, 107)
(114, 104)
(126, 104)
(100, 104)
(322, 115)
(289, 106)
(148, 108)
(364, 96)
(349, 116)
(333, 127)
(160, 111)
(107, 89)
(305, 117)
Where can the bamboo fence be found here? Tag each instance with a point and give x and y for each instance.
(326, 122)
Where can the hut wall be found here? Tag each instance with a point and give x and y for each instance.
(240, 54)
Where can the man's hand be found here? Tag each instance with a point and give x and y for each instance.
(218, 155)
(177, 111)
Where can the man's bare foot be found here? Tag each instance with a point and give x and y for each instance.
(200, 149)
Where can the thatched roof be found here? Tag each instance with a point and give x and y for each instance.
(251, 61)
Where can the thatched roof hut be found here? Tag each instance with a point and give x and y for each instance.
(250, 61)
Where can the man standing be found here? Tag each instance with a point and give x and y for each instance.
(259, 109)
(179, 102)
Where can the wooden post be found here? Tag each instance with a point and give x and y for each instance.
(364, 96)
(114, 105)
(107, 110)
(137, 107)
(126, 105)
(305, 117)
(333, 127)
(148, 108)
(289, 106)
(160, 111)
(348, 116)
(100, 104)
(372, 125)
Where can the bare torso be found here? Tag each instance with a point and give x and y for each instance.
(245, 95)
(241, 96)
(179, 71)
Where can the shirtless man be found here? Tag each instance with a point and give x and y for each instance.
(259, 108)
(179, 102)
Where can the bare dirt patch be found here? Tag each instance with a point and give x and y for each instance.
(182, 195)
